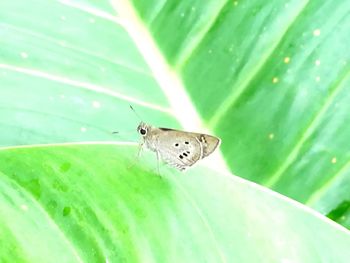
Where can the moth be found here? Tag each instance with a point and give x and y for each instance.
(177, 148)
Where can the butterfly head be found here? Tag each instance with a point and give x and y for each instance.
(142, 129)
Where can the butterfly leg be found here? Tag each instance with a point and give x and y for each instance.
(139, 150)
(140, 147)
(158, 160)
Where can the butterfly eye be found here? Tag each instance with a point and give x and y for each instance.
(143, 131)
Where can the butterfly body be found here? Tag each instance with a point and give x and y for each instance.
(177, 148)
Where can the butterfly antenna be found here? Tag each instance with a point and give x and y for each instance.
(138, 116)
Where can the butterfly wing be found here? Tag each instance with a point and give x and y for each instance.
(179, 149)
(209, 143)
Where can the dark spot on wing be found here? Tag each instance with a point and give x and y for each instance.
(186, 142)
(176, 144)
(185, 154)
(188, 152)
(180, 156)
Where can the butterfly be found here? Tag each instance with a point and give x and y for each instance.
(177, 148)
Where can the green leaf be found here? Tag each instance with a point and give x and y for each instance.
(272, 80)
(340, 213)
(60, 84)
(69, 71)
(85, 203)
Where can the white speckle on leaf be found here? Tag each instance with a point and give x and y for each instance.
(62, 96)
(96, 104)
(274, 80)
(91, 20)
(83, 129)
(24, 55)
(318, 79)
(286, 60)
(63, 18)
(317, 62)
(235, 3)
(317, 32)
(271, 136)
(24, 207)
(62, 43)
(334, 160)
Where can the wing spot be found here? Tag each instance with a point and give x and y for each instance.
(176, 144)
(186, 142)
(185, 154)
(188, 152)
(181, 157)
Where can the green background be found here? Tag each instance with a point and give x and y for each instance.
(269, 78)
